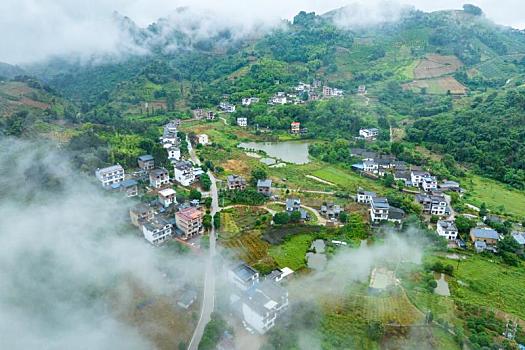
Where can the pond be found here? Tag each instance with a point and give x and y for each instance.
(317, 259)
(295, 152)
(442, 286)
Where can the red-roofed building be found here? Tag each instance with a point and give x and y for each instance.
(189, 222)
(295, 127)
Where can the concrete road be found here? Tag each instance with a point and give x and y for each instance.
(208, 298)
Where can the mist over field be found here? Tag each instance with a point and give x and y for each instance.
(67, 260)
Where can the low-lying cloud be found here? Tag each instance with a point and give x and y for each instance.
(35, 30)
(67, 258)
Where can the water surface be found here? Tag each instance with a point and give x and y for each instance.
(295, 152)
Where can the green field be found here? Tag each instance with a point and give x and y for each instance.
(292, 252)
(496, 196)
(488, 284)
(346, 179)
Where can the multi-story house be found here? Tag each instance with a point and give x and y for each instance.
(262, 305)
(184, 173)
(370, 166)
(361, 90)
(130, 187)
(379, 209)
(110, 175)
(278, 99)
(264, 187)
(249, 100)
(429, 183)
(236, 182)
(210, 115)
(203, 139)
(146, 162)
(242, 122)
(159, 177)
(486, 235)
(434, 204)
(447, 229)
(140, 213)
(243, 276)
(227, 107)
(174, 153)
(295, 127)
(167, 197)
(369, 134)
(330, 210)
(364, 196)
(189, 222)
(157, 230)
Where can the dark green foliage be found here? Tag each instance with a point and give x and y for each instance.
(282, 218)
(195, 194)
(248, 197)
(205, 182)
(217, 221)
(207, 221)
(295, 216)
(213, 332)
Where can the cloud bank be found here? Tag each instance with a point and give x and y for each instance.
(34, 30)
(66, 257)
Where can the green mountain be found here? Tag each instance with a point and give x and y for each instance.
(424, 65)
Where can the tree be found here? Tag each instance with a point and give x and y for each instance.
(207, 202)
(295, 216)
(343, 217)
(217, 220)
(206, 221)
(258, 174)
(483, 211)
(281, 218)
(464, 225)
(195, 194)
(434, 219)
(205, 182)
(389, 180)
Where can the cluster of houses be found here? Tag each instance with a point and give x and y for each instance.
(201, 114)
(258, 302)
(380, 209)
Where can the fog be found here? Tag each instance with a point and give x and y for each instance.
(67, 257)
(35, 30)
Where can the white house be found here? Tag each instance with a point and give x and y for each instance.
(369, 134)
(159, 177)
(227, 107)
(203, 139)
(447, 229)
(111, 175)
(429, 183)
(167, 197)
(370, 166)
(157, 231)
(184, 173)
(242, 121)
(433, 204)
(364, 196)
(249, 100)
(174, 153)
(243, 276)
(379, 209)
(263, 305)
(279, 99)
(418, 177)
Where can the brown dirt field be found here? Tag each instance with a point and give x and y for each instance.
(435, 66)
(32, 103)
(455, 87)
(237, 166)
(438, 86)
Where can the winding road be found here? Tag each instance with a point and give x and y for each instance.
(208, 298)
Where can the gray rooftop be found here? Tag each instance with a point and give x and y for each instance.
(519, 237)
(264, 183)
(146, 157)
(244, 272)
(485, 233)
(380, 202)
(447, 225)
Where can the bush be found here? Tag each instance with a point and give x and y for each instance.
(281, 218)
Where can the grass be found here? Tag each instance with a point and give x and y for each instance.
(489, 284)
(497, 196)
(292, 252)
(346, 179)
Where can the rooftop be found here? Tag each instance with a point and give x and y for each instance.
(159, 172)
(485, 233)
(447, 225)
(380, 202)
(264, 183)
(146, 157)
(190, 213)
(244, 272)
(167, 192)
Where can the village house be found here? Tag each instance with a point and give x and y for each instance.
(262, 305)
(330, 210)
(210, 115)
(400, 175)
(189, 222)
(130, 187)
(519, 237)
(313, 96)
(159, 177)
(447, 229)
(302, 87)
(236, 182)
(450, 186)
(364, 196)
(169, 136)
(361, 89)
(203, 139)
(429, 183)
(295, 127)
(371, 167)
(157, 230)
(227, 107)
(486, 235)
(396, 215)
(140, 213)
(294, 204)
(379, 209)
(264, 187)
(249, 100)
(187, 298)
(369, 134)
(278, 99)
(434, 204)
(184, 172)
(174, 153)
(110, 175)
(199, 114)
(423, 179)
(167, 197)
(331, 92)
(242, 122)
(279, 275)
(363, 154)
(243, 276)
(146, 162)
